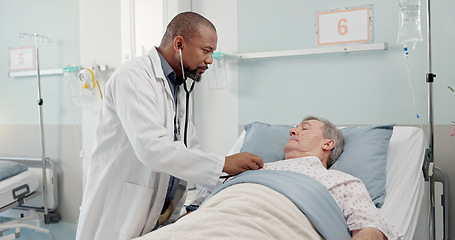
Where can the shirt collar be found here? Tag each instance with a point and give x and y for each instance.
(167, 69)
(310, 160)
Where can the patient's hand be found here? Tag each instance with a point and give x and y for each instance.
(183, 215)
(242, 162)
(368, 233)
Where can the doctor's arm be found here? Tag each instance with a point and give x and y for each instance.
(241, 162)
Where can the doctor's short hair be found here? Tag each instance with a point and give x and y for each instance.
(185, 24)
(331, 132)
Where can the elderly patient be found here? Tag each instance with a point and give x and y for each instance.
(313, 146)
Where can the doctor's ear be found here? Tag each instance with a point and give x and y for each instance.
(178, 42)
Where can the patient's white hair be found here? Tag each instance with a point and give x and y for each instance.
(331, 132)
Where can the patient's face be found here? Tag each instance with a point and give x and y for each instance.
(305, 140)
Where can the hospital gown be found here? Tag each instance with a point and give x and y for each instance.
(349, 192)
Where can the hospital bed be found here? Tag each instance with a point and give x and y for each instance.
(17, 184)
(20, 195)
(402, 154)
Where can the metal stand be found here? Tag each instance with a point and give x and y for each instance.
(430, 151)
(37, 38)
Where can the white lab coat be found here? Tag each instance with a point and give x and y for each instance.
(134, 154)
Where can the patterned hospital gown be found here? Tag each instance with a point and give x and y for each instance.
(349, 193)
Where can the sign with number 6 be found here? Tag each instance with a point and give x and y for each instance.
(350, 25)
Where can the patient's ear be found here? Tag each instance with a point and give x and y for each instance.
(328, 144)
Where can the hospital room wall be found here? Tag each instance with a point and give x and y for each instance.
(348, 88)
(19, 119)
(216, 111)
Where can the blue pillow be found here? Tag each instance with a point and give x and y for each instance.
(364, 156)
(265, 140)
(10, 169)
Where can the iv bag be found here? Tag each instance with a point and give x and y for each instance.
(217, 72)
(410, 30)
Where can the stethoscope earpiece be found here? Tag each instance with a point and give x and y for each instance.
(181, 62)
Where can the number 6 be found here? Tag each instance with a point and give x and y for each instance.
(21, 58)
(342, 28)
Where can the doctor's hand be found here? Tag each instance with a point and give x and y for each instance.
(242, 162)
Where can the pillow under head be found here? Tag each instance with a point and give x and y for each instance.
(265, 140)
(364, 156)
(364, 153)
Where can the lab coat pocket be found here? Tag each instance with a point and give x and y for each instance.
(133, 210)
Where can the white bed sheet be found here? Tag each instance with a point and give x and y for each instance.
(7, 185)
(249, 217)
(404, 181)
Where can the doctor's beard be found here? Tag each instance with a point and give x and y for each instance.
(193, 74)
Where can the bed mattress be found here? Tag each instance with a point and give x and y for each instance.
(405, 182)
(7, 186)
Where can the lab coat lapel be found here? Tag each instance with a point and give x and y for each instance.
(159, 74)
(181, 111)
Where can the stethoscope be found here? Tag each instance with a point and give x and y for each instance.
(188, 92)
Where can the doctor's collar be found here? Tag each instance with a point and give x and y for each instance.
(168, 71)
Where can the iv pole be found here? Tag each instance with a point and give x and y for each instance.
(40, 106)
(430, 153)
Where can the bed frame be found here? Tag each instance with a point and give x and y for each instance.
(20, 201)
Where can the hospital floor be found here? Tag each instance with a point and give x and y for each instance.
(60, 230)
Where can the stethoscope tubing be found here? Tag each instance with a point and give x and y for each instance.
(187, 104)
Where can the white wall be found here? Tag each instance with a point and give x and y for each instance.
(216, 111)
(100, 43)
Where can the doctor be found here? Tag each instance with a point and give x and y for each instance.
(140, 165)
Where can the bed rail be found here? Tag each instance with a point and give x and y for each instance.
(32, 161)
(21, 159)
(17, 204)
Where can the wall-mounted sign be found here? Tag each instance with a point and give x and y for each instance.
(348, 25)
(21, 59)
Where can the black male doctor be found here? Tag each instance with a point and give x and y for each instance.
(143, 154)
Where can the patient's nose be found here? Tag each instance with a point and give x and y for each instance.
(292, 132)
